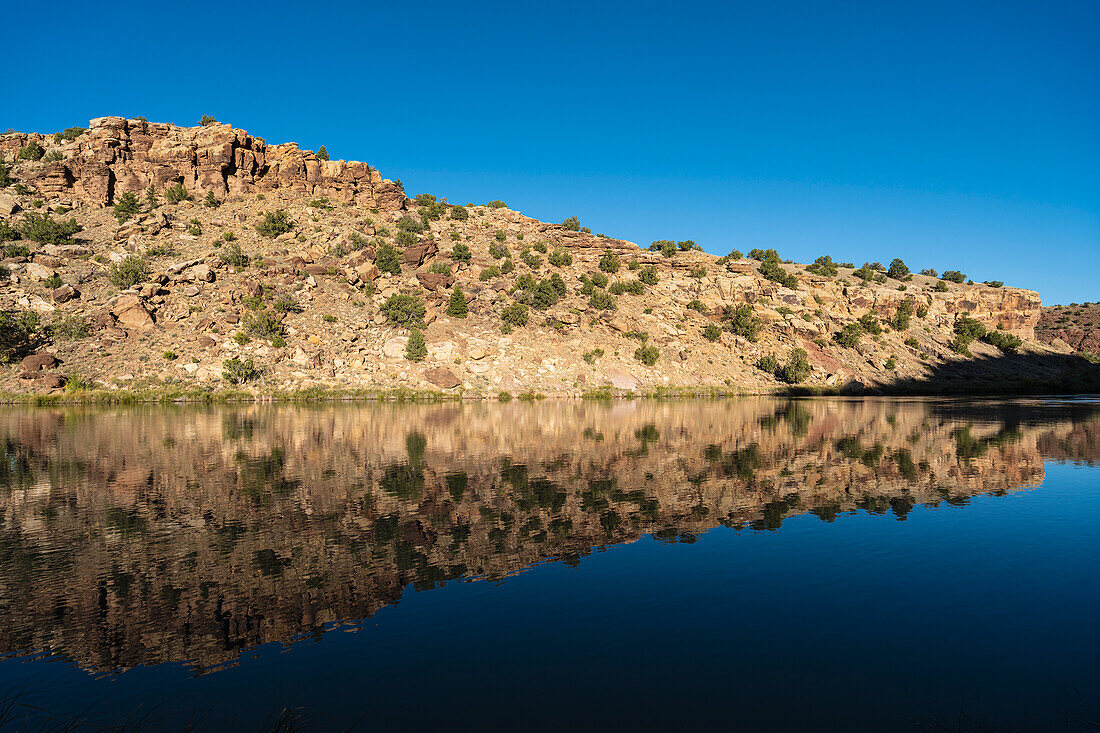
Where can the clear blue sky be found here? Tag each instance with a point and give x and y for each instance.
(956, 135)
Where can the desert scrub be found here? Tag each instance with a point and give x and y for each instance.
(772, 270)
(870, 324)
(264, 324)
(69, 328)
(460, 252)
(457, 307)
(387, 259)
(602, 300)
(712, 332)
(489, 273)
(572, 224)
(647, 354)
(531, 259)
(590, 357)
(194, 228)
(275, 223)
(515, 314)
(404, 310)
(43, 229)
(648, 275)
(849, 336)
(236, 371)
(176, 194)
(497, 250)
(129, 272)
(31, 151)
(19, 333)
(741, 321)
(697, 306)
(211, 201)
(232, 255)
(460, 213)
(634, 287)
(416, 349)
(953, 276)
(797, 369)
(126, 207)
(768, 363)
(609, 262)
(1006, 342)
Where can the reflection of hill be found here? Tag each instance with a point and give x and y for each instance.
(142, 536)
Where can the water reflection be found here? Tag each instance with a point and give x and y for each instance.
(140, 536)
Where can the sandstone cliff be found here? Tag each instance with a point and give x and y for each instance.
(209, 274)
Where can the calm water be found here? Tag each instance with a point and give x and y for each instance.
(753, 564)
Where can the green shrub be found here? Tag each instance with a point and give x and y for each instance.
(16, 250)
(699, 272)
(232, 255)
(648, 275)
(69, 134)
(405, 238)
(457, 307)
(207, 120)
(870, 324)
(953, 276)
(507, 266)
(69, 328)
(602, 300)
(560, 258)
(995, 283)
(126, 207)
(151, 197)
(31, 151)
(515, 314)
(322, 154)
(459, 213)
(891, 364)
(634, 287)
(497, 204)
(741, 321)
(849, 336)
(712, 332)
(286, 303)
(609, 262)
(697, 306)
(571, 224)
(129, 272)
(797, 369)
(497, 250)
(489, 273)
(1006, 342)
(647, 354)
(170, 355)
(531, 259)
(176, 194)
(440, 268)
(902, 315)
(404, 310)
(823, 266)
(44, 230)
(53, 282)
(460, 253)
(768, 363)
(410, 224)
(960, 344)
(236, 371)
(898, 270)
(416, 349)
(211, 201)
(194, 228)
(264, 324)
(941, 287)
(387, 259)
(275, 223)
(969, 328)
(772, 270)
(590, 357)
(20, 332)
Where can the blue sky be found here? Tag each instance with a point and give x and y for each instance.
(956, 135)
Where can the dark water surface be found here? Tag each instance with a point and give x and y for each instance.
(756, 564)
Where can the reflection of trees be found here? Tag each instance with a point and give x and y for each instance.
(152, 535)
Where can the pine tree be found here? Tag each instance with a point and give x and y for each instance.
(415, 350)
(151, 197)
(322, 154)
(457, 307)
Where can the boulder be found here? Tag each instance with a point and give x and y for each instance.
(38, 272)
(435, 280)
(65, 293)
(131, 312)
(201, 273)
(417, 253)
(34, 363)
(442, 377)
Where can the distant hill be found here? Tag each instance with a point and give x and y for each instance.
(203, 257)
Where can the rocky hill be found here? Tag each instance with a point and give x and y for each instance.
(154, 257)
(1075, 326)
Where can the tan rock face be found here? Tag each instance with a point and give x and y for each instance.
(118, 155)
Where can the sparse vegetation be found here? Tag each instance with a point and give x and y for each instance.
(572, 224)
(176, 194)
(647, 354)
(43, 229)
(129, 272)
(416, 349)
(609, 262)
(126, 207)
(404, 310)
(953, 276)
(236, 371)
(849, 336)
(19, 333)
(457, 307)
(275, 223)
(741, 321)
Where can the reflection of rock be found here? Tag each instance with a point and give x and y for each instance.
(188, 535)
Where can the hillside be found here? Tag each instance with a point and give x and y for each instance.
(202, 257)
(1075, 326)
